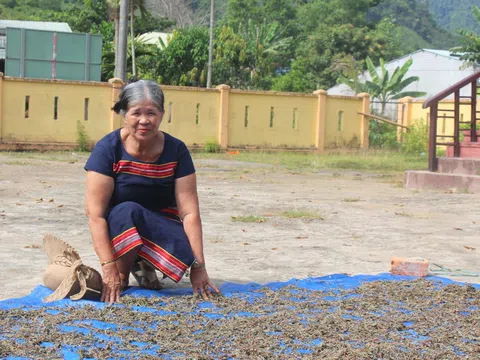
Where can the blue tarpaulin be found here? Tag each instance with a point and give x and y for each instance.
(246, 291)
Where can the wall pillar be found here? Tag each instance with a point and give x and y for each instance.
(404, 115)
(320, 120)
(115, 119)
(364, 121)
(1, 107)
(222, 124)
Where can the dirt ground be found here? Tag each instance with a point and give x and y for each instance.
(365, 219)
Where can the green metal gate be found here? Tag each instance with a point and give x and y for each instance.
(53, 55)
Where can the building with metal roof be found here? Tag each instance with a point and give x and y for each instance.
(33, 25)
(155, 37)
(436, 70)
(30, 25)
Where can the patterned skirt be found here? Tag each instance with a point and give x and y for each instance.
(157, 237)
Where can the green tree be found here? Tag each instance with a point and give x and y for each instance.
(470, 49)
(229, 63)
(385, 87)
(316, 55)
(184, 60)
(454, 14)
(413, 15)
(351, 70)
(264, 43)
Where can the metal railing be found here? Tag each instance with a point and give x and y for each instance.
(433, 104)
(390, 109)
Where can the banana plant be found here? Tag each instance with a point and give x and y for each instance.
(385, 87)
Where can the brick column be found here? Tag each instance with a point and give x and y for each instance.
(364, 121)
(222, 123)
(115, 120)
(320, 120)
(404, 115)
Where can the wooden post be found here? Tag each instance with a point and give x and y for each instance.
(432, 143)
(364, 121)
(222, 124)
(473, 120)
(1, 107)
(456, 133)
(320, 120)
(115, 119)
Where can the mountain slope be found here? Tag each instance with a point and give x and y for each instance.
(454, 14)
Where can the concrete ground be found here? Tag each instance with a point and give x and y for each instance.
(310, 224)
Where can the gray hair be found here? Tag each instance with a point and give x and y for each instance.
(137, 92)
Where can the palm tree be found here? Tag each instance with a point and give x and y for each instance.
(385, 87)
(263, 42)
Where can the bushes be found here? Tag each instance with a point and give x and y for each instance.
(83, 141)
(383, 136)
(416, 139)
(211, 147)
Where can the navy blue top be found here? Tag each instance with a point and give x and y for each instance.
(151, 184)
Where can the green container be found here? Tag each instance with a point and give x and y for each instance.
(53, 55)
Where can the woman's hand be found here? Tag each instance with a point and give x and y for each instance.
(201, 282)
(111, 284)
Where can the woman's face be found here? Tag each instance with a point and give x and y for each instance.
(143, 120)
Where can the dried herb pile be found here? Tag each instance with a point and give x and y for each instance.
(378, 320)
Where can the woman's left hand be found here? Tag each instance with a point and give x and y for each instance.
(201, 282)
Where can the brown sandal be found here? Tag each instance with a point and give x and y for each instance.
(145, 275)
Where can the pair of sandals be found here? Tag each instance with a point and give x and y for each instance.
(145, 274)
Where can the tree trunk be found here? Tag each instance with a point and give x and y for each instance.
(116, 22)
(132, 37)
(210, 48)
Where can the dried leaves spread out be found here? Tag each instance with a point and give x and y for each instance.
(380, 320)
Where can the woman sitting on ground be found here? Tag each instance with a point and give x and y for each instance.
(141, 200)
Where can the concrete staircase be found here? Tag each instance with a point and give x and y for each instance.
(459, 174)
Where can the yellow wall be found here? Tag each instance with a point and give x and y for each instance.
(283, 132)
(444, 124)
(41, 126)
(346, 131)
(180, 118)
(296, 117)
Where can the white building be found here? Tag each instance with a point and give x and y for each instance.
(436, 69)
(154, 38)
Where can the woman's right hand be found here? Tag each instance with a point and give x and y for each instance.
(111, 284)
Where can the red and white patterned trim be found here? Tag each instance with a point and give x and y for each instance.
(159, 257)
(148, 170)
(125, 242)
(162, 260)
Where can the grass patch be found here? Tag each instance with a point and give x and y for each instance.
(404, 214)
(16, 162)
(302, 214)
(351, 200)
(249, 219)
(371, 160)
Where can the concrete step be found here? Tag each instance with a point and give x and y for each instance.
(432, 180)
(465, 166)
